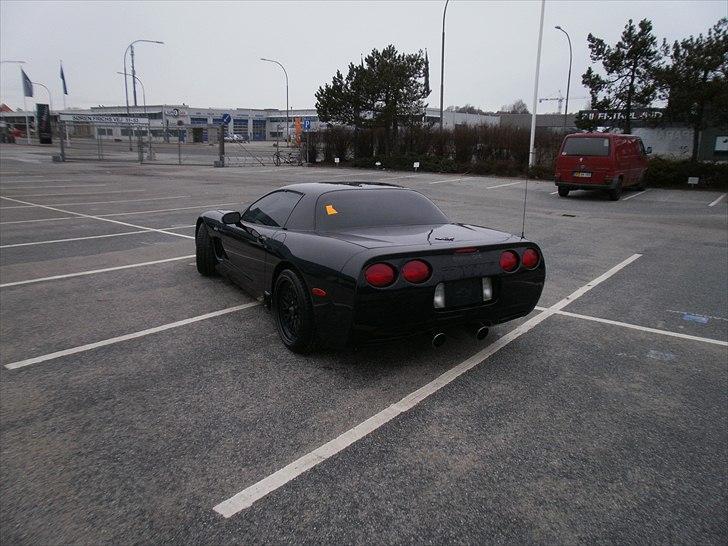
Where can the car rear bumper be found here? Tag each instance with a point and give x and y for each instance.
(394, 315)
(572, 185)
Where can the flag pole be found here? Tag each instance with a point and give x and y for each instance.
(25, 108)
(63, 93)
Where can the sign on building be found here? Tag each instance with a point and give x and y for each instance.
(101, 119)
(607, 117)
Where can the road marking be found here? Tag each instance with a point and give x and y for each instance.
(645, 328)
(502, 185)
(245, 498)
(448, 180)
(635, 195)
(688, 313)
(720, 198)
(201, 207)
(100, 202)
(126, 337)
(67, 194)
(99, 218)
(642, 328)
(554, 192)
(51, 187)
(93, 271)
(90, 237)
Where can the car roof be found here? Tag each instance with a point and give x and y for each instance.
(602, 135)
(319, 188)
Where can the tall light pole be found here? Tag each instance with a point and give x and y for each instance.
(442, 65)
(144, 93)
(568, 79)
(25, 107)
(288, 128)
(531, 152)
(126, 85)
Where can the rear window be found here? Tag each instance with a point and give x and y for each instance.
(386, 207)
(586, 146)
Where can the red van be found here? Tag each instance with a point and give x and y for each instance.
(601, 161)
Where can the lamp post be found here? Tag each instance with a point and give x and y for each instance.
(144, 101)
(442, 65)
(568, 79)
(25, 107)
(288, 127)
(531, 151)
(126, 86)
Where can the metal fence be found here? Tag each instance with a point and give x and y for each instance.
(174, 145)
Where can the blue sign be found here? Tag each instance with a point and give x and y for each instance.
(306, 124)
(226, 118)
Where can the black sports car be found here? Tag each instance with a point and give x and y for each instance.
(353, 262)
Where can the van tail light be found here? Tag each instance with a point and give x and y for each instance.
(509, 261)
(380, 275)
(416, 271)
(531, 258)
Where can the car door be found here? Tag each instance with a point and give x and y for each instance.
(247, 244)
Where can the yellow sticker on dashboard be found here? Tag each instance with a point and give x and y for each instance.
(331, 210)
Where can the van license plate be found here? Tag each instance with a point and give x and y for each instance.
(580, 174)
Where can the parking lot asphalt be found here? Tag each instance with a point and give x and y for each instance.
(143, 403)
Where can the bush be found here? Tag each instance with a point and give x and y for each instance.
(671, 173)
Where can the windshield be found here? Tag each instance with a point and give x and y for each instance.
(344, 209)
(586, 146)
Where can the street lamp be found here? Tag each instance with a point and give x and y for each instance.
(568, 80)
(288, 128)
(25, 107)
(144, 93)
(126, 86)
(442, 64)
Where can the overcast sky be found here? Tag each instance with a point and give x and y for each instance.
(212, 49)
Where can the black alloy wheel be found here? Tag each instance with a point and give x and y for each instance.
(293, 312)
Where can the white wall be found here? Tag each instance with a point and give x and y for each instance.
(670, 142)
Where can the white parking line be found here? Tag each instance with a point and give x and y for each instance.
(635, 195)
(99, 202)
(645, 328)
(91, 237)
(126, 337)
(642, 328)
(99, 218)
(720, 198)
(51, 187)
(94, 271)
(67, 194)
(554, 192)
(133, 213)
(245, 498)
(448, 180)
(502, 185)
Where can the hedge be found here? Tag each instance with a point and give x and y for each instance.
(664, 173)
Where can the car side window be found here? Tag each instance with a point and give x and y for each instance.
(273, 209)
(641, 146)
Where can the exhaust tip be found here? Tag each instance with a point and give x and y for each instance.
(481, 333)
(438, 340)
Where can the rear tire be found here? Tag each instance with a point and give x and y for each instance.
(293, 313)
(204, 252)
(616, 193)
(563, 192)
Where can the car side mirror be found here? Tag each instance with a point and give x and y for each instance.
(648, 150)
(231, 217)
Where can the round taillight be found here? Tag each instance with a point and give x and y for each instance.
(380, 275)
(509, 261)
(530, 258)
(416, 271)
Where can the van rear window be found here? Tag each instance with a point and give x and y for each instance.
(586, 146)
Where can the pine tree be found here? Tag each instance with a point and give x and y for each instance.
(630, 67)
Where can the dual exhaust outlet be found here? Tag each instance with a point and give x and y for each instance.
(478, 331)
